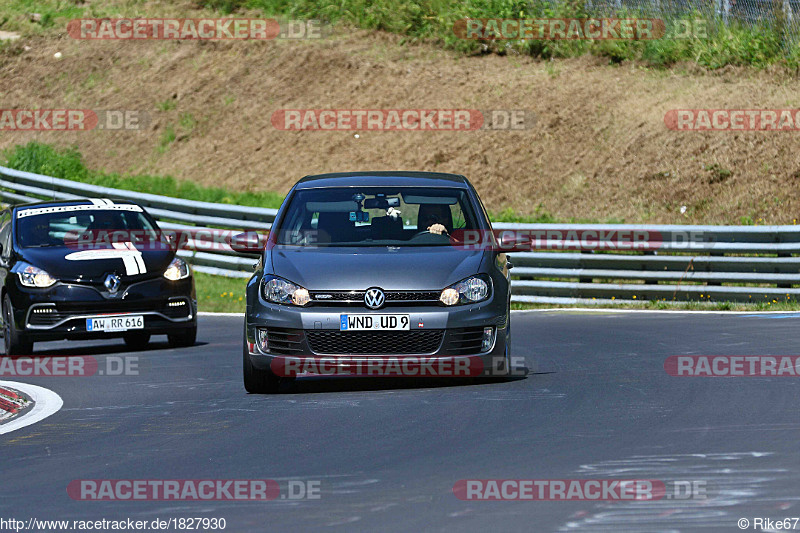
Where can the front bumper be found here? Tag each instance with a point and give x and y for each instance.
(436, 333)
(60, 311)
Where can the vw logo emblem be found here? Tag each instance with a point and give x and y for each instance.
(374, 298)
(112, 283)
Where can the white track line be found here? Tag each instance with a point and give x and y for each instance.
(46, 403)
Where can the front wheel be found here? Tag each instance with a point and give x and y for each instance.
(14, 341)
(183, 339)
(136, 341)
(258, 381)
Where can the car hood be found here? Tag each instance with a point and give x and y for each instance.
(70, 264)
(399, 268)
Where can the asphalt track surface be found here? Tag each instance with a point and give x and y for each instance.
(597, 404)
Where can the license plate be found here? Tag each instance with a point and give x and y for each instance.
(115, 323)
(373, 322)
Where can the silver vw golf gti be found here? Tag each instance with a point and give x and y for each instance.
(368, 265)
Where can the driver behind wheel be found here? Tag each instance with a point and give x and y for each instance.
(435, 218)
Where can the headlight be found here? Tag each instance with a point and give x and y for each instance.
(470, 290)
(281, 291)
(177, 269)
(31, 276)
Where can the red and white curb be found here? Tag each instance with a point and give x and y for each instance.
(11, 403)
(45, 403)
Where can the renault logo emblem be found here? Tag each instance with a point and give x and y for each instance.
(374, 298)
(112, 283)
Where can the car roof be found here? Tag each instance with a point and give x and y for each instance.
(74, 201)
(396, 178)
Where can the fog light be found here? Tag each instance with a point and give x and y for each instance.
(488, 339)
(301, 297)
(262, 340)
(449, 297)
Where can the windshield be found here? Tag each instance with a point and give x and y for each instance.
(61, 226)
(376, 216)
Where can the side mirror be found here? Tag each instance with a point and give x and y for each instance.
(511, 242)
(249, 243)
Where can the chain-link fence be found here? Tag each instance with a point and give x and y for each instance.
(779, 14)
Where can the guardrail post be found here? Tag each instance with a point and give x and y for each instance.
(784, 285)
(644, 268)
(584, 279)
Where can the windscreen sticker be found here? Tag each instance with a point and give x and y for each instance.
(359, 216)
(131, 257)
(22, 213)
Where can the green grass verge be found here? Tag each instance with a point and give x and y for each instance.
(713, 44)
(226, 295)
(68, 164)
(218, 294)
(758, 45)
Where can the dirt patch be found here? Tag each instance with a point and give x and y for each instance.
(599, 150)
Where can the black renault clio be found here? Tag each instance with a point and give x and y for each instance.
(56, 285)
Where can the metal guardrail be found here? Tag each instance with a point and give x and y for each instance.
(684, 263)
(172, 213)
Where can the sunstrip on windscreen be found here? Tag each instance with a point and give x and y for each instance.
(96, 205)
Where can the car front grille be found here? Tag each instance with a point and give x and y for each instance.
(464, 341)
(50, 315)
(356, 298)
(283, 341)
(333, 342)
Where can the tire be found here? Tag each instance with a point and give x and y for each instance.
(184, 338)
(136, 341)
(510, 371)
(257, 381)
(14, 341)
(507, 355)
(507, 371)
